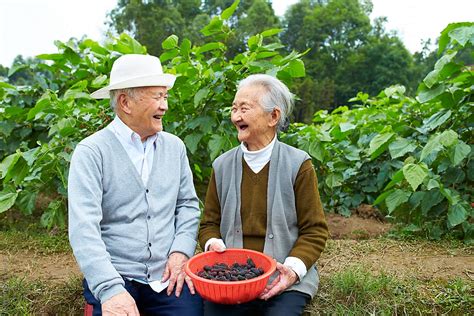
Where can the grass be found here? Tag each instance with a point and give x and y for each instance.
(345, 288)
(20, 296)
(34, 238)
(356, 291)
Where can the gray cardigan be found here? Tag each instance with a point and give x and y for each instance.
(118, 227)
(282, 228)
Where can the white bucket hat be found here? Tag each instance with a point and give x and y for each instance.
(134, 70)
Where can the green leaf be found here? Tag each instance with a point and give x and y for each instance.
(394, 90)
(459, 152)
(99, 81)
(210, 46)
(255, 40)
(448, 138)
(432, 146)
(378, 144)
(50, 56)
(432, 184)
(185, 47)
(296, 68)
(463, 35)
(75, 94)
(430, 199)
(382, 197)
(15, 68)
(445, 35)
(94, 46)
(7, 199)
(457, 214)
(400, 147)
(415, 174)
(437, 74)
(397, 177)
(170, 42)
(436, 120)
(395, 199)
(169, 54)
(192, 141)
(6, 127)
(5, 85)
(334, 180)
(214, 26)
(8, 163)
(346, 126)
(265, 55)
(18, 171)
(429, 94)
(26, 201)
(271, 32)
(316, 150)
(216, 145)
(227, 13)
(200, 95)
(452, 198)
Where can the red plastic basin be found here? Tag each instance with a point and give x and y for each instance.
(230, 292)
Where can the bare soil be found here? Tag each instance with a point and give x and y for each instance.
(353, 241)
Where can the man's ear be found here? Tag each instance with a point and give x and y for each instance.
(276, 114)
(123, 103)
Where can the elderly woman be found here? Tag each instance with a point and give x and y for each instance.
(263, 195)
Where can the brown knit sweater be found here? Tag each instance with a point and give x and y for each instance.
(311, 221)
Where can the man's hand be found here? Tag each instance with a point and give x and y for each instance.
(174, 271)
(284, 280)
(120, 304)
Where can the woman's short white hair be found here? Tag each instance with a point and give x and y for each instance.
(276, 94)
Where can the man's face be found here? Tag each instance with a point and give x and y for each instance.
(146, 110)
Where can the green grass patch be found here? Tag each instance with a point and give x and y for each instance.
(357, 291)
(35, 239)
(19, 296)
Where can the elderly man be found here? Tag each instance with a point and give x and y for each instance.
(133, 209)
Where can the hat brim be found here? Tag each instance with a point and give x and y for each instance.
(162, 80)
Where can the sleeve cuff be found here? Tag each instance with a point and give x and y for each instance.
(104, 295)
(211, 240)
(184, 245)
(297, 265)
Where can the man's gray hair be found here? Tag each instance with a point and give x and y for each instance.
(277, 95)
(114, 94)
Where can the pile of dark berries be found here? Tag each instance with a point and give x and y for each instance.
(234, 272)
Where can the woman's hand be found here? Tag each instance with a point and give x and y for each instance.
(284, 280)
(217, 245)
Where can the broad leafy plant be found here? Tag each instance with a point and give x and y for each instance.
(411, 157)
(40, 124)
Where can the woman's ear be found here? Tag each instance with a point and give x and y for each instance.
(275, 116)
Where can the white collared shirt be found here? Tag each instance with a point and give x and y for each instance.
(141, 153)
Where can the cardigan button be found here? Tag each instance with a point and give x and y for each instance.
(270, 236)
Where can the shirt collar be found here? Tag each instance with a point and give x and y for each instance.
(259, 152)
(126, 133)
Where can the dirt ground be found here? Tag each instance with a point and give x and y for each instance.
(353, 241)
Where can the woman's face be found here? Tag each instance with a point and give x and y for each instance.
(255, 127)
